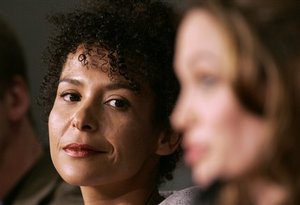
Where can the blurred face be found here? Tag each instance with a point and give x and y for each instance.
(222, 140)
(100, 130)
(3, 123)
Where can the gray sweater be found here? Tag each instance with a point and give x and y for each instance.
(192, 196)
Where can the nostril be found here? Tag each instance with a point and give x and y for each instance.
(86, 127)
(80, 126)
(84, 119)
(75, 123)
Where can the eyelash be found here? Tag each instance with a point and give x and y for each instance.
(119, 104)
(116, 103)
(71, 95)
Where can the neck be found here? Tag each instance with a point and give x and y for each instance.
(267, 193)
(253, 190)
(122, 194)
(19, 155)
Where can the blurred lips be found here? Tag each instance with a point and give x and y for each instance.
(193, 154)
(81, 150)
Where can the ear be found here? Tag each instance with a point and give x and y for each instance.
(168, 142)
(17, 99)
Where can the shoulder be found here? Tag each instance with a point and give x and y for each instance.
(186, 196)
(56, 190)
(64, 193)
(43, 185)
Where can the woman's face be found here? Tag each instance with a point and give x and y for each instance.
(101, 131)
(222, 140)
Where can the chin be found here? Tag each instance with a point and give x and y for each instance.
(77, 179)
(70, 174)
(71, 177)
(203, 180)
(207, 173)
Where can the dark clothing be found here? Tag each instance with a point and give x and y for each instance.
(43, 186)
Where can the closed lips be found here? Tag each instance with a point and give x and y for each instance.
(81, 150)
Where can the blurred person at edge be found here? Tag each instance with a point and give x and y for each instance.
(239, 107)
(27, 176)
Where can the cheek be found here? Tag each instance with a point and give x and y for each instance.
(134, 137)
(53, 136)
(56, 123)
(133, 142)
(217, 126)
(228, 125)
(241, 141)
(53, 127)
(252, 143)
(222, 125)
(224, 114)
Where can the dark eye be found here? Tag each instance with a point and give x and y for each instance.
(71, 97)
(120, 104)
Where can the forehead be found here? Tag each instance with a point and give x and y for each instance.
(90, 57)
(98, 59)
(83, 68)
(202, 37)
(95, 58)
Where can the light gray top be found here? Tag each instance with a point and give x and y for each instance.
(193, 196)
(186, 196)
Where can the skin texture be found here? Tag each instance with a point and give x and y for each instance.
(133, 50)
(92, 109)
(222, 140)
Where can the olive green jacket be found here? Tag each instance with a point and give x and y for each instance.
(43, 186)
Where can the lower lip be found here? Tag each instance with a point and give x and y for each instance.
(81, 153)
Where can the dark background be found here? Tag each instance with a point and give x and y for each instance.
(28, 19)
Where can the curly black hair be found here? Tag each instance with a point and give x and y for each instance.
(138, 37)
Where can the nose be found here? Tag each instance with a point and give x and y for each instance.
(183, 115)
(85, 118)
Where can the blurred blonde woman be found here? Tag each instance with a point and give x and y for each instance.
(239, 108)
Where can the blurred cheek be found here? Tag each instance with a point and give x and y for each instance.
(240, 144)
(179, 114)
(221, 133)
(4, 126)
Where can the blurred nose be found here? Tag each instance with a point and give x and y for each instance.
(183, 115)
(85, 118)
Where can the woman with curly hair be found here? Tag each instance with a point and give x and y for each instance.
(109, 92)
(238, 65)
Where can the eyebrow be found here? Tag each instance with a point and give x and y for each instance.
(207, 58)
(119, 85)
(203, 56)
(108, 87)
(70, 80)
(199, 56)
